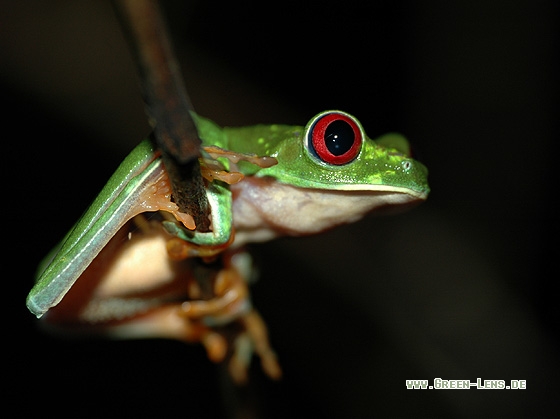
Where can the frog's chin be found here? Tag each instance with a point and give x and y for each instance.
(264, 209)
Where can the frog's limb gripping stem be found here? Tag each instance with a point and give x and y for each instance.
(215, 345)
(257, 330)
(253, 340)
(234, 157)
(231, 298)
(231, 304)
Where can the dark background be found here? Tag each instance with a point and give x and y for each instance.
(461, 287)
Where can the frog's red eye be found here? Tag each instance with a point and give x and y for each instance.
(336, 138)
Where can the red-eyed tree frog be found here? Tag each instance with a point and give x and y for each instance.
(134, 266)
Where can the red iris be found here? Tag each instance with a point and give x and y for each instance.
(336, 138)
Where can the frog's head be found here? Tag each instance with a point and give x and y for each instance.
(333, 153)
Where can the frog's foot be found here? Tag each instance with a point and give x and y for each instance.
(212, 169)
(257, 330)
(240, 359)
(252, 340)
(232, 305)
(231, 301)
(179, 249)
(215, 344)
(235, 157)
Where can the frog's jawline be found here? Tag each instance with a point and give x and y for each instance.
(264, 209)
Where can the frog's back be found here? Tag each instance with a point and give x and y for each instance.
(209, 132)
(260, 139)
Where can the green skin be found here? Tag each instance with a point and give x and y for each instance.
(382, 166)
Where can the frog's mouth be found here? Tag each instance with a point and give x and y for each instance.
(413, 192)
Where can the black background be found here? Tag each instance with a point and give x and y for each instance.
(458, 288)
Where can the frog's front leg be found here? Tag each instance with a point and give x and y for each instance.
(220, 200)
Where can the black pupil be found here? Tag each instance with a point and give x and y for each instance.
(339, 137)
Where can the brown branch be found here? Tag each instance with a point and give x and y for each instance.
(167, 104)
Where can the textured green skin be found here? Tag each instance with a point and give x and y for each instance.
(90, 234)
(380, 166)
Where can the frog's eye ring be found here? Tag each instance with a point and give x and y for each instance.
(336, 138)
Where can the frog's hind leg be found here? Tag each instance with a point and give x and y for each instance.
(167, 323)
